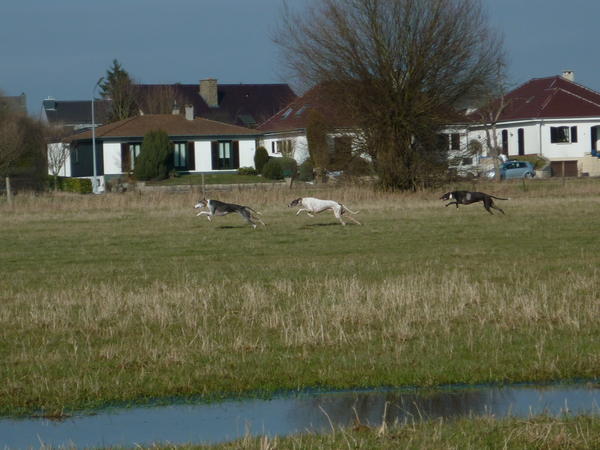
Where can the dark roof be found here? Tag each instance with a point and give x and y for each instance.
(172, 124)
(239, 104)
(75, 113)
(550, 97)
(295, 115)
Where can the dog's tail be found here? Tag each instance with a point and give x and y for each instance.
(345, 208)
(499, 198)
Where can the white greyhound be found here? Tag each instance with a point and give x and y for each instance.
(315, 205)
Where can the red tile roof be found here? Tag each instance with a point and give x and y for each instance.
(172, 124)
(550, 97)
(295, 115)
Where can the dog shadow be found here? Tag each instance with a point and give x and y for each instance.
(315, 225)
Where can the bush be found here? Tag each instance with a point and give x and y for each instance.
(247, 171)
(155, 160)
(260, 159)
(289, 166)
(77, 185)
(273, 170)
(306, 171)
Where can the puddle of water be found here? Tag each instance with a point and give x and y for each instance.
(229, 420)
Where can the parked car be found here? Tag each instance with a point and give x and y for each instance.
(514, 169)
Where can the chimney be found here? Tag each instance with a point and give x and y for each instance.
(568, 75)
(189, 112)
(208, 92)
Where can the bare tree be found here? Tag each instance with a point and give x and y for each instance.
(158, 99)
(489, 115)
(400, 67)
(120, 88)
(58, 152)
(317, 130)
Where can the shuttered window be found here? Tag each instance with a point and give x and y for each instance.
(225, 155)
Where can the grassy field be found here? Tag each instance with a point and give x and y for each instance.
(126, 297)
(484, 433)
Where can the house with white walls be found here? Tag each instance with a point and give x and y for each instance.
(284, 134)
(200, 146)
(552, 117)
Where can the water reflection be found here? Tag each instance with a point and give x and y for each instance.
(212, 423)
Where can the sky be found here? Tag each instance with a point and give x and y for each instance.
(60, 48)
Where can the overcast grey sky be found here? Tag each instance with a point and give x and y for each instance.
(60, 48)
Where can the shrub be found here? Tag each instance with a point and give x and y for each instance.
(359, 167)
(155, 160)
(77, 185)
(289, 166)
(272, 169)
(247, 171)
(260, 159)
(306, 171)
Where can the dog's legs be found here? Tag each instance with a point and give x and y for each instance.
(452, 203)
(495, 207)
(308, 212)
(348, 216)
(247, 217)
(338, 215)
(486, 205)
(205, 213)
(258, 218)
(354, 220)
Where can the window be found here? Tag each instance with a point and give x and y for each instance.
(286, 148)
(455, 141)
(505, 142)
(180, 155)
(225, 155)
(134, 151)
(521, 139)
(128, 154)
(561, 135)
(573, 134)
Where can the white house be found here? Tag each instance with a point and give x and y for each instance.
(551, 117)
(284, 134)
(200, 145)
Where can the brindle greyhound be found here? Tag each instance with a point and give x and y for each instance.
(467, 197)
(217, 208)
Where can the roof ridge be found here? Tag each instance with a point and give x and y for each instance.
(578, 96)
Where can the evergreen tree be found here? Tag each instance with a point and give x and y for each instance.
(260, 159)
(119, 87)
(155, 160)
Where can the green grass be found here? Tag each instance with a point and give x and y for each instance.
(213, 178)
(120, 298)
(476, 434)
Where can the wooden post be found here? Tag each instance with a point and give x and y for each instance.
(8, 192)
(203, 189)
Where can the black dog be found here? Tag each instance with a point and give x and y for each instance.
(467, 197)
